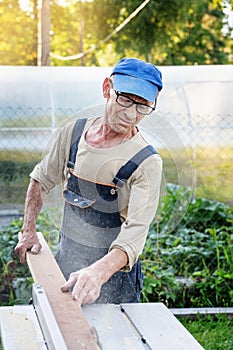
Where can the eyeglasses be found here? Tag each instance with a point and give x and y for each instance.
(127, 102)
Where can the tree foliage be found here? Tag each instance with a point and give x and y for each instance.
(171, 32)
(18, 34)
(176, 32)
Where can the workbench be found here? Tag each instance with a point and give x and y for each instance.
(53, 321)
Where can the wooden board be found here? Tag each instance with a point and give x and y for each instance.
(73, 325)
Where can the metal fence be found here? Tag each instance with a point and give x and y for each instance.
(196, 152)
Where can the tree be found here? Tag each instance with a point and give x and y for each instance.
(43, 47)
(73, 31)
(202, 41)
(18, 34)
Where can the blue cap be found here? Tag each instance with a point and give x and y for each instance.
(137, 77)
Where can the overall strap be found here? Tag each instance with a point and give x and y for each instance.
(76, 135)
(127, 170)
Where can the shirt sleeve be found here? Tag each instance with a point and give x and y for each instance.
(51, 171)
(144, 189)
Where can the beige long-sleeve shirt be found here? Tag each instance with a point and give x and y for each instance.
(138, 198)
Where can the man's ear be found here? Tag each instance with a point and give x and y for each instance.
(107, 84)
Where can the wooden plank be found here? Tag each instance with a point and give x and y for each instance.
(73, 325)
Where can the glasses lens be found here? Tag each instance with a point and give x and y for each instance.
(143, 109)
(124, 101)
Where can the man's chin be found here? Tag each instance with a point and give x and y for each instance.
(122, 128)
(124, 124)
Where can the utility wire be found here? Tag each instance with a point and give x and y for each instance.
(93, 46)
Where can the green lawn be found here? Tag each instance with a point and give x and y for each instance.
(212, 332)
(207, 169)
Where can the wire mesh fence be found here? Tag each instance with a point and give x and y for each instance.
(196, 152)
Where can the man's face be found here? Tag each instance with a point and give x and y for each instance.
(123, 119)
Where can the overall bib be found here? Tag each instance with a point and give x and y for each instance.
(91, 222)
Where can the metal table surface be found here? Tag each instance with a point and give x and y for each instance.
(117, 327)
(139, 326)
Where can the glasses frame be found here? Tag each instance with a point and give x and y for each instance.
(151, 109)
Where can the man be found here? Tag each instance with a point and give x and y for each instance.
(111, 182)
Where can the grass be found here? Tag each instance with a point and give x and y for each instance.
(213, 168)
(28, 118)
(207, 169)
(19, 156)
(15, 168)
(212, 332)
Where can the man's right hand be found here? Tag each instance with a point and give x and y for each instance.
(27, 241)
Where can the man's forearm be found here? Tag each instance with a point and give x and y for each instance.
(33, 204)
(114, 261)
(28, 239)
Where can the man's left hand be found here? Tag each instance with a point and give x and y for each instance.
(86, 284)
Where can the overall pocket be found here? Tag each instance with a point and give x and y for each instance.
(77, 200)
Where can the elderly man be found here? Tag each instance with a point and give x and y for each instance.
(111, 179)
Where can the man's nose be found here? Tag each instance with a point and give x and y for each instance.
(131, 112)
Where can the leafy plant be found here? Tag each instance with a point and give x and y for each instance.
(10, 268)
(159, 285)
(16, 278)
(196, 250)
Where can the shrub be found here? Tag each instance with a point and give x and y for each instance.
(16, 278)
(197, 251)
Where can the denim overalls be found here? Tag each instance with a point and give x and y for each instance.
(91, 222)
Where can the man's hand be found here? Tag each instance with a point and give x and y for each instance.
(87, 285)
(88, 282)
(27, 241)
